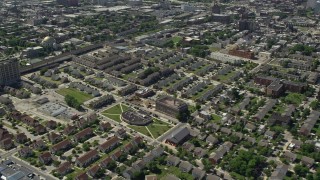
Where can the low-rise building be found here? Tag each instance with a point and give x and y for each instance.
(87, 158)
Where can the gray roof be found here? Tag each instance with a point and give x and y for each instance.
(250, 126)
(173, 159)
(171, 177)
(15, 176)
(179, 135)
(265, 109)
(280, 172)
(185, 165)
(211, 139)
(290, 155)
(307, 160)
(213, 177)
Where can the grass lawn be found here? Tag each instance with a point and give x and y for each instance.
(130, 75)
(49, 79)
(176, 39)
(225, 78)
(125, 107)
(115, 112)
(216, 118)
(80, 96)
(214, 49)
(199, 94)
(141, 129)
(157, 128)
(280, 108)
(157, 121)
(165, 170)
(113, 117)
(75, 173)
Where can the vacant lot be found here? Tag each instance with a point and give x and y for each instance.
(80, 96)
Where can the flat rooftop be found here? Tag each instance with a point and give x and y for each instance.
(170, 101)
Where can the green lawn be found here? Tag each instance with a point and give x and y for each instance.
(176, 39)
(157, 131)
(113, 117)
(157, 128)
(115, 112)
(216, 118)
(165, 170)
(130, 75)
(125, 107)
(49, 79)
(225, 78)
(141, 129)
(77, 171)
(80, 96)
(214, 49)
(280, 108)
(157, 121)
(199, 94)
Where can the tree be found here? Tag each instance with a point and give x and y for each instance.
(207, 164)
(247, 164)
(152, 166)
(112, 165)
(43, 70)
(69, 158)
(198, 106)
(100, 173)
(73, 102)
(307, 148)
(86, 146)
(169, 44)
(56, 163)
(301, 170)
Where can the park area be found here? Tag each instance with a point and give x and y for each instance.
(115, 112)
(154, 130)
(81, 97)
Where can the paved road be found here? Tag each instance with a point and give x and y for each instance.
(34, 170)
(10, 155)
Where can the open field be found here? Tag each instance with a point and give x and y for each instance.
(80, 96)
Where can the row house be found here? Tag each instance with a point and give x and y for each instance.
(83, 135)
(64, 168)
(25, 152)
(109, 144)
(45, 158)
(54, 137)
(88, 158)
(61, 146)
(21, 138)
